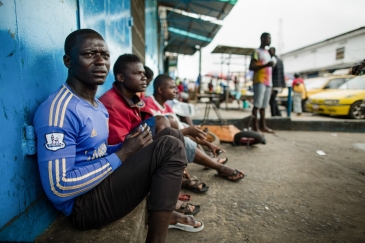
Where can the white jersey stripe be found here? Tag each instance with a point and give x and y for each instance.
(50, 119)
(58, 107)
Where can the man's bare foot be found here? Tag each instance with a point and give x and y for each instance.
(268, 130)
(230, 174)
(184, 219)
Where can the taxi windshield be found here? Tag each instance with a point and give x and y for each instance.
(355, 83)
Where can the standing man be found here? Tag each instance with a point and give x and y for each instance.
(261, 64)
(278, 82)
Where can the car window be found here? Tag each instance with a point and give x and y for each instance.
(355, 83)
(335, 83)
(316, 83)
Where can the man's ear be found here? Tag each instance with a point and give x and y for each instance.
(67, 61)
(120, 77)
(159, 90)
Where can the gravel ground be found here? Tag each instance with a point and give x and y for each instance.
(289, 194)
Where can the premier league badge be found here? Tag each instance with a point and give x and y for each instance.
(54, 141)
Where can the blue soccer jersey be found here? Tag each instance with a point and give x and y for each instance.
(73, 155)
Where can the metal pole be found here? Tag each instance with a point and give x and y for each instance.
(289, 102)
(200, 69)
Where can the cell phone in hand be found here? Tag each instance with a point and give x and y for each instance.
(219, 152)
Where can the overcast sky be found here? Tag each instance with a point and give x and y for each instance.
(302, 23)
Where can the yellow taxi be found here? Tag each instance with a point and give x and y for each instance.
(314, 86)
(346, 100)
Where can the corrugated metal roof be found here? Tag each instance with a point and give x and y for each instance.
(218, 9)
(246, 51)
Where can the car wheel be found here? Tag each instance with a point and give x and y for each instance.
(355, 111)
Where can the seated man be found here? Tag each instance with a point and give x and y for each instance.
(165, 89)
(123, 106)
(85, 178)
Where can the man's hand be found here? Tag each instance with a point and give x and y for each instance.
(215, 149)
(134, 142)
(269, 64)
(194, 132)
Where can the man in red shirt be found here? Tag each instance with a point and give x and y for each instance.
(123, 106)
(165, 89)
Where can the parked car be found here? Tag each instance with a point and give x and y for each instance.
(314, 86)
(346, 100)
(362, 106)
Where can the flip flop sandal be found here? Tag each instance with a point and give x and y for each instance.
(193, 183)
(224, 162)
(233, 174)
(185, 197)
(187, 228)
(183, 207)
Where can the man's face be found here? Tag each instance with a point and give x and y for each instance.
(266, 40)
(169, 90)
(272, 52)
(89, 61)
(133, 78)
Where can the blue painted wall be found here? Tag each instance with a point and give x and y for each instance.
(152, 47)
(32, 35)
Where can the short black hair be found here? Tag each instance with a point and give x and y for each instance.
(148, 72)
(296, 75)
(272, 48)
(264, 35)
(71, 39)
(159, 81)
(122, 61)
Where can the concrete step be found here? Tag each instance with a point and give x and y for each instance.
(130, 229)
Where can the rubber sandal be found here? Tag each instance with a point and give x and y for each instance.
(183, 208)
(185, 197)
(234, 173)
(192, 184)
(187, 228)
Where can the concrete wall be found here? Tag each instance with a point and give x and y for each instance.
(323, 55)
(32, 35)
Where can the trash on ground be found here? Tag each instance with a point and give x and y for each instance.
(320, 152)
(359, 146)
(334, 134)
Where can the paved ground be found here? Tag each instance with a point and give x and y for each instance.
(290, 193)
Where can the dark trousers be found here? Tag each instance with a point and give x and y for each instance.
(156, 170)
(273, 105)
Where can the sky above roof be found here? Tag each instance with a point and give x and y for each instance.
(302, 23)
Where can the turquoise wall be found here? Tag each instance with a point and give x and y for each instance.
(32, 35)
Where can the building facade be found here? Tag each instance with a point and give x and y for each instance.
(338, 52)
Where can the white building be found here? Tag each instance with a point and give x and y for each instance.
(338, 52)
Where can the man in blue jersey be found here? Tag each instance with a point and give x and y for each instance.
(85, 178)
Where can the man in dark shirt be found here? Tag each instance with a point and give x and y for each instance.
(278, 82)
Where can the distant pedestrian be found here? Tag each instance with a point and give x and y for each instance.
(299, 93)
(356, 70)
(261, 64)
(210, 86)
(278, 81)
(236, 84)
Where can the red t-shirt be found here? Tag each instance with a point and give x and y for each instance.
(124, 114)
(153, 108)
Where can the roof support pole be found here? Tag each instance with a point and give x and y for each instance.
(200, 70)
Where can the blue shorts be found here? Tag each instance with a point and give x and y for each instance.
(190, 149)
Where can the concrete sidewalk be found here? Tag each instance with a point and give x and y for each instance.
(290, 192)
